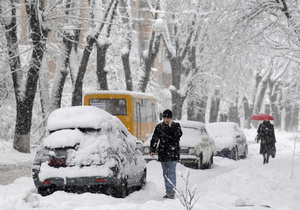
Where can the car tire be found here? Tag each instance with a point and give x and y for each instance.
(234, 154)
(144, 177)
(44, 191)
(245, 152)
(199, 164)
(143, 180)
(121, 190)
(211, 161)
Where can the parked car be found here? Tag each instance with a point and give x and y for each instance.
(88, 149)
(196, 147)
(230, 140)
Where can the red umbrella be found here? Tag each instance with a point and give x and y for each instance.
(263, 117)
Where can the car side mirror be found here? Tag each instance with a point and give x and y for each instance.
(139, 144)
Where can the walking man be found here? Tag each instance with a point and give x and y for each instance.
(165, 141)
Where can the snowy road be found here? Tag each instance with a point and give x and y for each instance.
(227, 185)
(11, 172)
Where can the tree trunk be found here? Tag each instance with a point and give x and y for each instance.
(91, 40)
(191, 110)
(274, 111)
(247, 111)
(293, 123)
(177, 103)
(25, 105)
(101, 73)
(77, 91)
(177, 99)
(197, 110)
(233, 115)
(215, 106)
(153, 49)
(149, 60)
(260, 97)
(127, 71)
(61, 76)
(25, 98)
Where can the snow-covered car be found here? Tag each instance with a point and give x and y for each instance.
(196, 147)
(230, 140)
(88, 149)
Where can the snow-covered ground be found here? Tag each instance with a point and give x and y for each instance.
(243, 184)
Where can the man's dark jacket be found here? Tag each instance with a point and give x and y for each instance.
(165, 141)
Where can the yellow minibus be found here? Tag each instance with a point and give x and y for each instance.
(136, 110)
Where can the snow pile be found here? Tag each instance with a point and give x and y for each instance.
(80, 117)
(63, 138)
(10, 156)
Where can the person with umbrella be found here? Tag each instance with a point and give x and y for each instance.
(266, 136)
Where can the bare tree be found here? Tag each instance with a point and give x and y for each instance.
(25, 93)
(101, 54)
(91, 39)
(177, 50)
(153, 47)
(127, 20)
(71, 35)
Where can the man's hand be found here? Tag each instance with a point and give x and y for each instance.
(170, 123)
(152, 154)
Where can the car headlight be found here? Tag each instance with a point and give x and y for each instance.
(146, 150)
(191, 151)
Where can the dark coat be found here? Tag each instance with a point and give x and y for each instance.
(266, 135)
(165, 141)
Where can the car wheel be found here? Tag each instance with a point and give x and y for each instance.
(200, 162)
(44, 191)
(245, 153)
(121, 190)
(144, 177)
(143, 180)
(211, 161)
(234, 154)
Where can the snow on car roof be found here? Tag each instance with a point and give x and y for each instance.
(220, 128)
(223, 134)
(190, 124)
(79, 117)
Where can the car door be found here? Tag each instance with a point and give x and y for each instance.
(133, 177)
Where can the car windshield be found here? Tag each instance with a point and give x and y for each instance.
(83, 130)
(190, 134)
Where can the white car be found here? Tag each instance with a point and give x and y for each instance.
(230, 140)
(88, 149)
(196, 147)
